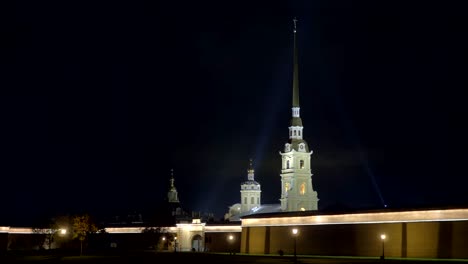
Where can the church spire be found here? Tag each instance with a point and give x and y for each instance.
(172, 187)
(297, 193)
(295, 102)
(250, 171)
(172, 194)
(295, 129)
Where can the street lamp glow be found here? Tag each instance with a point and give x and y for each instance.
(295, 231)
(231, 246)
(63, 231)
(383, 237)
(163, 238)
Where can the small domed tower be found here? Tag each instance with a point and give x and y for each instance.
(250, 191)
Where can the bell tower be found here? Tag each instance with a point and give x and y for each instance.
(297, 193)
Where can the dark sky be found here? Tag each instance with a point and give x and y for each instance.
(100, 100)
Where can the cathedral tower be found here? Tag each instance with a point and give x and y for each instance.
(250, 191)
(297, 193)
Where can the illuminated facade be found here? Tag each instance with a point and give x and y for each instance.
(250, 192)
(251, 200)
(437, 233)
(192, 236)
(297, 193)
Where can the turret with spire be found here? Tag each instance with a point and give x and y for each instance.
(250, 191)
(172, 193)
(297, 193)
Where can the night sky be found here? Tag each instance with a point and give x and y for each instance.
(100, 100)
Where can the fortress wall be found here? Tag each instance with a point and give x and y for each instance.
(436, 239)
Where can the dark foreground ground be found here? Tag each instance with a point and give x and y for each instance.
(204, 258)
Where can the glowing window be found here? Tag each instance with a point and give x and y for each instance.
(302, 209)
(301, 164)
(286, 187)
(302, 189)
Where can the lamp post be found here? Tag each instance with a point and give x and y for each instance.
(231, 239)
(382, 237)
(175, 244)
(294, 232)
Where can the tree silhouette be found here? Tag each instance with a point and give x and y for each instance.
(47, 230)
(82, 227)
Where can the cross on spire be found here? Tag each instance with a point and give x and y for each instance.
(295, 26)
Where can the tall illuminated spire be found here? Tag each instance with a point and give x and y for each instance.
(297, 193)
(295, 102)
(296, 128)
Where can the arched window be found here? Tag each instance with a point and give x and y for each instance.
(299, 132)
(258, 200)
(294, 132)
(302, 189)
(287, 164)
(301, 164)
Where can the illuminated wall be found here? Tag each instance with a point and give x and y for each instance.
(220, 242)
(418, 233)
(215, 238)
(431, 233)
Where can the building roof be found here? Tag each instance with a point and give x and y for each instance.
(250, 182)
(280, 213)
(263, 209)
